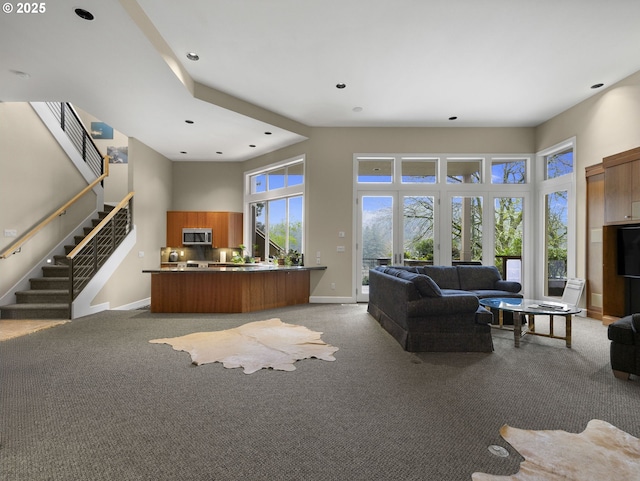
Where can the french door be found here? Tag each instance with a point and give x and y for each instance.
(394, 228)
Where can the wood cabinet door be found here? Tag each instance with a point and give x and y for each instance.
(235, 229)
(617, 192)
(635, 181)
(175, 221)
(595, 222)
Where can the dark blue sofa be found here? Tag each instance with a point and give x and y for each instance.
(436, 308)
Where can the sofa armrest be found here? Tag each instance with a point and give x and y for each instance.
(509, 286)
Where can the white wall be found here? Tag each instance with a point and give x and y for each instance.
(37, 178)
(116, 185)
(207, 186)
(150, 177)
(603, 125)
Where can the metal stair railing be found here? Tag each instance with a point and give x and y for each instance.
(95, 249)
(71, 124)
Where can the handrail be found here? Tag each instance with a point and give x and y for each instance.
(92, 252)
(89, 237)
(15, 247)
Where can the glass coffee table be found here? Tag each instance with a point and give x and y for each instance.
(531, 308)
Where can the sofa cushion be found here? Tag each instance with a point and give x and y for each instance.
(395, 271)
(445, 276)
(473, 278)
(425, 285)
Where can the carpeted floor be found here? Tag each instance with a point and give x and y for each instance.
(94, 400)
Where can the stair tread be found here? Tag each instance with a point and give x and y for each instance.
(50, 278)
(32, 305)
(44, 291)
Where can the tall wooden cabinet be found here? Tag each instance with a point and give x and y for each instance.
(613, 200)
(622, 187)
(226, 226)
(595, 223)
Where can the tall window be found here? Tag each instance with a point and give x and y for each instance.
(558, 217)
(275, 199)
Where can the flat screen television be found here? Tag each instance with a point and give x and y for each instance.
(629, 251)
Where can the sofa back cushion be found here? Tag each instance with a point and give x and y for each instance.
(445, 276)
(474, 278)
(424, 284)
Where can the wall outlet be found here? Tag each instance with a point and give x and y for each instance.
(340, 249)
(333, 286)
(140, 254)
(10, 233)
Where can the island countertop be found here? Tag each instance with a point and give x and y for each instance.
(225, 267)
(229, 288)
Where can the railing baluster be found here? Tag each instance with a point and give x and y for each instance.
(62, 115)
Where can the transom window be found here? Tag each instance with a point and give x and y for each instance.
(277, 178)
(559, 163)
(509, 171)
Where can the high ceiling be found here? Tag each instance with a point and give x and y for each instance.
(273, 65)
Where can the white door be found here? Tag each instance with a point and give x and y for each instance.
(394, 228)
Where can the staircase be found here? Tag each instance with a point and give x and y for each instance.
(49, 296)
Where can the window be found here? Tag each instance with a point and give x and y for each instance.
(558, 236)
(419, 171)
(275, 204)
(466, 229)
(443, 209)
(464, 171)
(277, 178)
(559, 163)
(374, 170)
(508, 171)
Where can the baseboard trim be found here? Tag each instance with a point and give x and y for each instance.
(331, 300)
(132, 306)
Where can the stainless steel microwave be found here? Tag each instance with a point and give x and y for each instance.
(196, 236)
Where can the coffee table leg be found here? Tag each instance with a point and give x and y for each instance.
(517, 328)
(568, 334)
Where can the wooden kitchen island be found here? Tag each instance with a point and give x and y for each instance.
(242, 288)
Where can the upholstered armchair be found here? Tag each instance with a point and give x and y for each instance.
(625, 346)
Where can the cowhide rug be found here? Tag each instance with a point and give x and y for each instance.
(254, 346)
(600, 452)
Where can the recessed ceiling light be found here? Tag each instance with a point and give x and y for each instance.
(453, 118)
(251, 145)
(357, 109)
(597, 86)
(219, 153)
(189, 121)
(193, 56)
(84, 14)
(341, 86)
(183, 152)
(267, 133)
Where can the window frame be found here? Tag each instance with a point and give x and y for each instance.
(286, 192)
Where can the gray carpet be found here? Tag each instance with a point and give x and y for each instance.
(94, 400)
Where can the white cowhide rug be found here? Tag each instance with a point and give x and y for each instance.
(599, 453)
(254, 346)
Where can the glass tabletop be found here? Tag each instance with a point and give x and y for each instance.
(528, 306)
